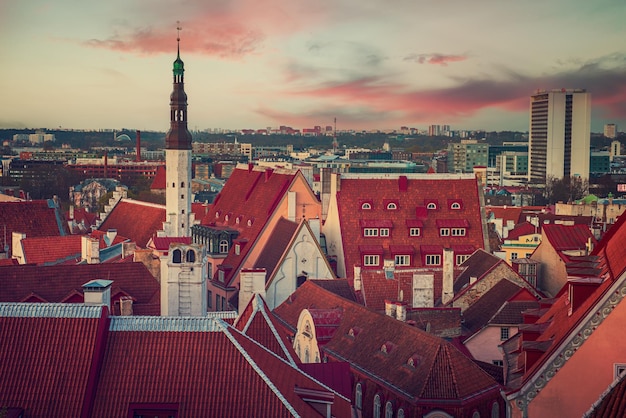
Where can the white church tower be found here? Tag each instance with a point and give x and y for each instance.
(184, 267)
(178, 159)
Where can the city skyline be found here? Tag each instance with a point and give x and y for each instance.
(260, 64)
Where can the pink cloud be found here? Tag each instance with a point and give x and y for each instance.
(436, 59)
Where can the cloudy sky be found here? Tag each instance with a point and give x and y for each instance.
(372, 64)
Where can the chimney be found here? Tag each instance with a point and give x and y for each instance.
(71, 212)
(98, 292)
(90, 250)
(16, 247)
(403, 183)
(315, 226)
(138, 155)
(106, 163)
(390, 308)
(447, 292)
(401, 311)
(357, 278)
(110, 236)
(291, 205)
(251, 282)
(423, 290)
(126, 306)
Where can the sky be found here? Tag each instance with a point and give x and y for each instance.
(252, 64)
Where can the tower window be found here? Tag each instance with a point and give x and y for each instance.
(182, 184)
(176, 256)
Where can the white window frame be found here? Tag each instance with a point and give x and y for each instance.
(432, 259)
(392, 206)
(505, 332)
(223, 246)
(384, 232)
(366, 206)
(455, 206)
(370, 232)
(371, 260)
(402, 260)
(431, 205)
(415, 232)
(444, 232)
(458, 232)
(460, 258)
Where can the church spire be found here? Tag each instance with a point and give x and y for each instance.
(178, 137)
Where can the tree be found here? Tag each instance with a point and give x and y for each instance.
(566, 189)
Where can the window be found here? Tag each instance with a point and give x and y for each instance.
(513, 256)
(495, 410)
(618, 370)
(371, 260)
(402, 260)
(358, 396)
(388, 410)
(414, 232)
(191, 256)
(433, 259)
(504, 333)
(460, 258)
(498, 363)
(220, 275)
(384, 232)
(455, 206)
(370, 232)
(458, 232)
(217, 303)
(182, 184)
(182, 196)
(223, 246)
(444, 232)
(237, 249)
(431, 205)
(209, 302)
(392, 206)
(366, 206)
(400, 413)
(476, 414)
(177, 256)
(377, 406)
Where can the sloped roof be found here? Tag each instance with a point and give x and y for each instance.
(257, 322)
(521, 229)
(236, 377)
(47, 352)
(506, 213)
(411, 194)
(52, 250)
(340, 287)
(568, 237)
(276, 245)
(56, 283)
(481, 311)
(478, 265)
(441, 372)
(136, 220)
(35, 218)
(611, 404)
(251, 196)
(160, 179)
(163, 243)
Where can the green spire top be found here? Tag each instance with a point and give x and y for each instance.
(179, 65)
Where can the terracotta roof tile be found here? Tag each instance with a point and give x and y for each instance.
(158, 183)
(138, 221)
(568, 237)
(52, 250)
(55, 283)
(276, 245)
(480, 312)
(36, 218)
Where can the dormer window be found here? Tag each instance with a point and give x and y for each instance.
(387, 347)
(431, 206)
(392, 206)
(413, 361)
(238, 219)
(415, 232)
(433, 259)
(250, 221)
(223, 246)
(458, 232)
(371, 260)
(444, 232)
(354, 331)
(366, 206)
(402, 260)
(217, 214)
(455, 206)
(370, 232)
(384, 232)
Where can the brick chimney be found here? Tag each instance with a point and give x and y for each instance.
(126, 306)
(423, 290)
(98, 292)
(90, 250)
(251, 282)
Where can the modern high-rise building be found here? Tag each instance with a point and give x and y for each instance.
(610, 130)
(559, 139)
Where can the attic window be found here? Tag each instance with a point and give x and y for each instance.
(250, 222)
(366, 206)
(217, 214)
(387, 347)
(413, 361)
(354, 331)
(238, 219)
(391, 204)
(431, 205)
(455, 204)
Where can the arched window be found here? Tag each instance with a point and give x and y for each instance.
(182, 184)
(388, 410)
(431, 205)
(377, 406)
(358, 396)
(223, 246)
(392, 206)
(177, 256)
(495, 410)
(400, 413)
(191, 256)
(306, 354)
(455, 205)
(366, 206)
(476, 414)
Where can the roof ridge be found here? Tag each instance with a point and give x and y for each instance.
(270, 323)
(142, 203)
(49, 310)
(167, 324)
(258, 369)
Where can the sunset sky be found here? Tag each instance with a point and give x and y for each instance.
(372, 64)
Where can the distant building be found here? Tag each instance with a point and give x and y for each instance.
(616, 150)
(610, 130)
(464, 156)
(559, 140)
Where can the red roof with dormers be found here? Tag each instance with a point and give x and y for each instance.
(52, 250)
(136, 220)
(35, 218)
(412, 194)
(63, 283)
(440, 372)
(251, 195)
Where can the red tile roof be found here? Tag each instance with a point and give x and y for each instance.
(47, 354)
(568, 237)
(160, 178)
(411, 193)
(506, 213)
(163, 243)
(276, 246)
(440, 373)
(524, 228)
(134, 219)
(52, 250)
(250, 195)
(611, 404)
(57, 283)
(36, 218)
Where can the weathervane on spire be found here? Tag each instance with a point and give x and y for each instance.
(178, 29)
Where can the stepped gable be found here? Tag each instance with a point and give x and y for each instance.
(61, 340)
(63, 283)
(35, 218)
(257, 322)
(136, 220)
(400, 203)
(440, 372)
(245, 204)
